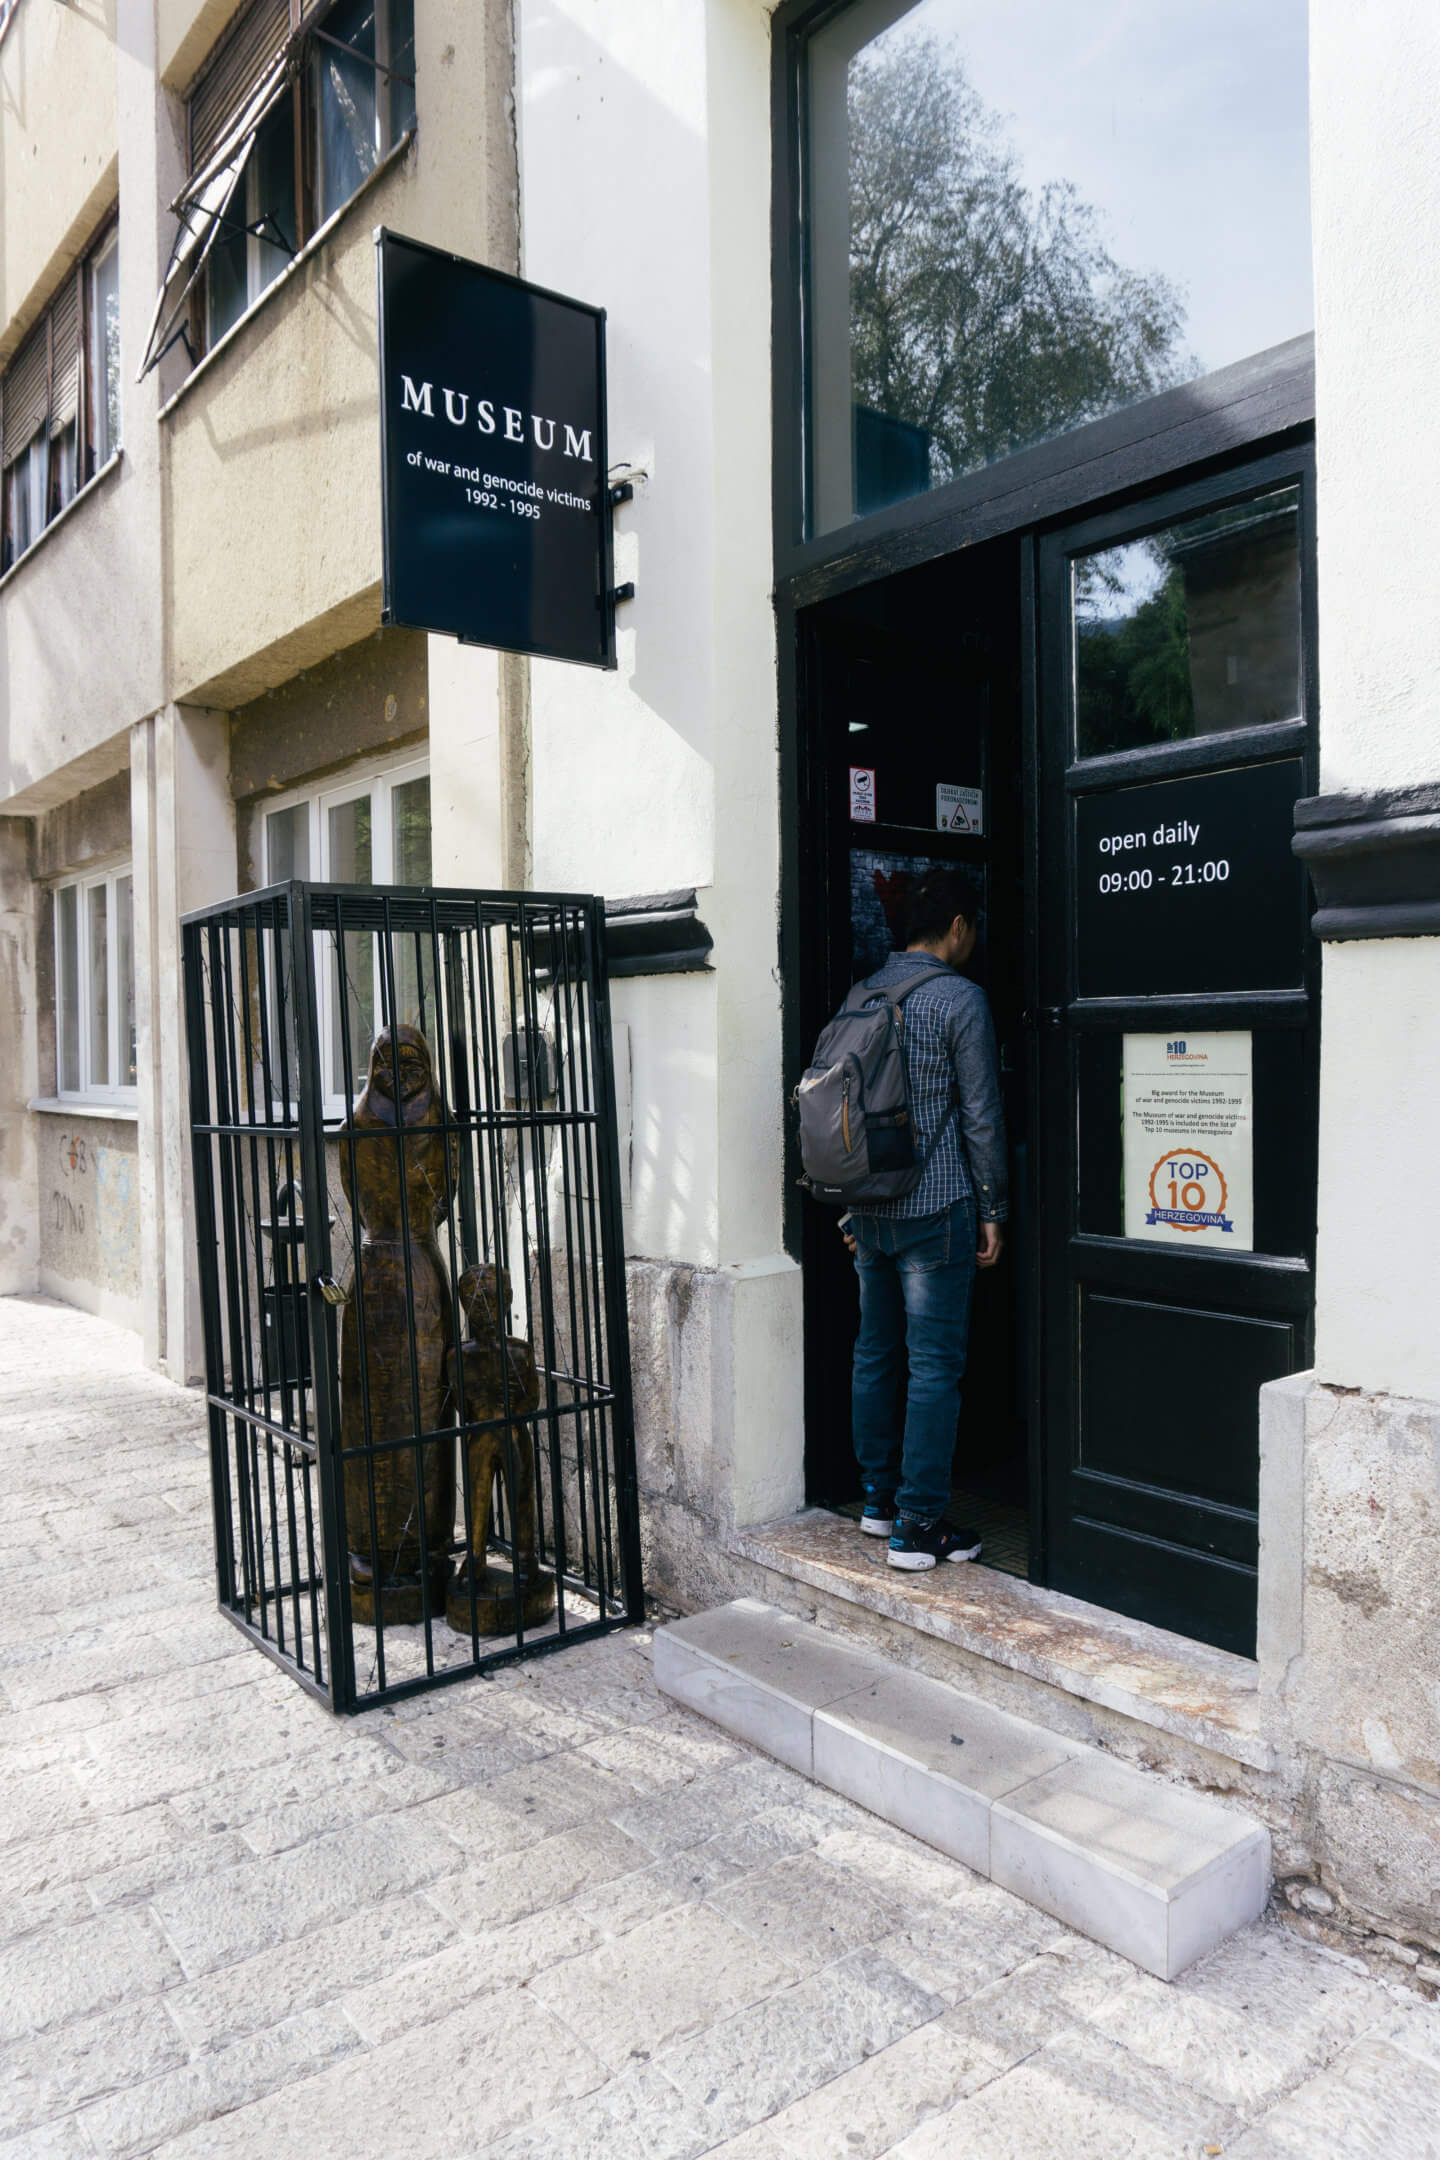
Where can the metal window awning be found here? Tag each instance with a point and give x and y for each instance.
(202, 202)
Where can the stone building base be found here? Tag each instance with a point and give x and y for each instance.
(1331, 1735)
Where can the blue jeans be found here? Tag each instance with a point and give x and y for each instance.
(916, 1275)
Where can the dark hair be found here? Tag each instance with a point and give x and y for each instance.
(933, 902)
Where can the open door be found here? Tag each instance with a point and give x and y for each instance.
(912, 711)
(1176, 1033)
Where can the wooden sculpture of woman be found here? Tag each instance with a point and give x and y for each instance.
(494, 1385)
(400, 1305)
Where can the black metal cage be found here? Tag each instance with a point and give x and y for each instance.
(407, 1205)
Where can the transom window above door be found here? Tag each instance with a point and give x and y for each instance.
(1017, 219)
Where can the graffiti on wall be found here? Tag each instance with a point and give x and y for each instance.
(90, 1220)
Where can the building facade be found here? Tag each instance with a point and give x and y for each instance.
(1010, 491)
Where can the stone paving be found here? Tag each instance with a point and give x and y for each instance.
(541, 1914)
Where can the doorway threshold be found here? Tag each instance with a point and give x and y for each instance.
(1208, 1697)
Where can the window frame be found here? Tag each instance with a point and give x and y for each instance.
(256, 282)
(94, 400)
(83, 884)
(1218, 416)
(80, 462)
(302, 99)
(378, 782)
(384, 135)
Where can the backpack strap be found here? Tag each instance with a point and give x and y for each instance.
(896, 998)
(864, 993)
(942, 1128)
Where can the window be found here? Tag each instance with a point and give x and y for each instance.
(1019, 219)
(60, 398)
(363, 107)
(284, 128)
(258, 234)
(367, 829)
(104, 300)
(1194, 630)
(95, 985)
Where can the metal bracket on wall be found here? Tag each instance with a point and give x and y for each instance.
(623, 592)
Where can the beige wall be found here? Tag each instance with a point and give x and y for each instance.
(57, 148)
(64, 697)
(277, 434)
(89, 1182)
(185, 32)
(81, 613)
(19, 1225)
(366, 701)
(202, 625)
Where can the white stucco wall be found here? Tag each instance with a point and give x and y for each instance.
(1379, 1264)
(1375, 191)
(665, 774)
(1375, 92)
(644, 130)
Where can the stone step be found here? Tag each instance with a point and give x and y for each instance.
(1156, 1872)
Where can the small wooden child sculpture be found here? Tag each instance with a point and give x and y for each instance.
(493, 1384)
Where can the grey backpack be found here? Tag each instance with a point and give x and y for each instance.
(857, 1137)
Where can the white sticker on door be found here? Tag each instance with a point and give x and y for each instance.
(959, 809)
(1189, 1140)
(862, 795)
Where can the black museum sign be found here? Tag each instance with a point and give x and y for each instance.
(495, 502)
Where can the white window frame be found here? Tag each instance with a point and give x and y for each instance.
(256, 280)
(383, 132)
(378, 782)
(90, 1090)
(104, 447)
(28, 478)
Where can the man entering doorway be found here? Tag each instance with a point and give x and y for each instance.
(916, 1257)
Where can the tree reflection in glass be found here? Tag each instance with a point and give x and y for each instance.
(1018, 220)
(1190, 631)
(983, 314)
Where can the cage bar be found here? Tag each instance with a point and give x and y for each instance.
(407, 1205)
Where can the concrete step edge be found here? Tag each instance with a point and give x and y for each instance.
(1151, 1870)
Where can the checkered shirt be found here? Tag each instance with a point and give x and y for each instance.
(949, 1051)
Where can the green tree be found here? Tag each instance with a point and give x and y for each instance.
(1132, 666)
(987, 313)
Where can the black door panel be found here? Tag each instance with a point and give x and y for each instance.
(1174, 716)
(1196, 1374)
(1164, 1582)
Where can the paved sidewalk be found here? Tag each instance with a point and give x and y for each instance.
(542, 1914)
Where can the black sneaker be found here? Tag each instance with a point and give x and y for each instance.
(877, 1518)
(921, 1544)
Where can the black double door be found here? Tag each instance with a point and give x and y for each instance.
(1133, 699)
